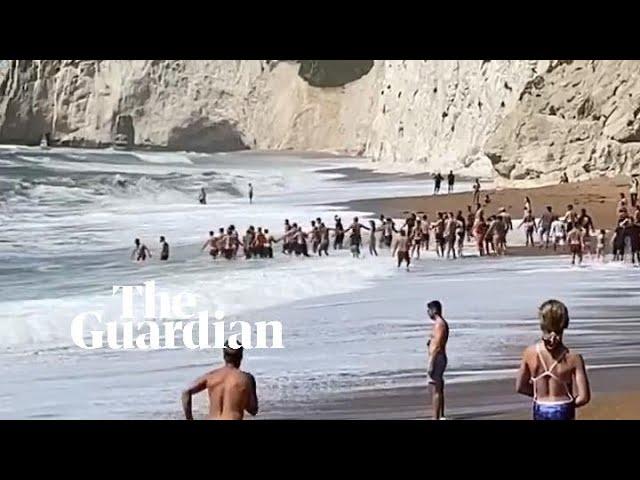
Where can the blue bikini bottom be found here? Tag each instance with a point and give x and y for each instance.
(554, 410)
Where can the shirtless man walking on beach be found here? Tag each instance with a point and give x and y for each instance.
(231, 391)
(437, 346)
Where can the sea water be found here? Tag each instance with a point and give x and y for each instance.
(68, 221)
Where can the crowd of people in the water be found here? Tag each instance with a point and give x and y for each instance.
(488, 231)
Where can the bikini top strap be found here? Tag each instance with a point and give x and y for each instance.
(539, 352)
(560, 358)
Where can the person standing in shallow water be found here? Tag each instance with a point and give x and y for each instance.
(553, 376)
(451, 180)
(164, 249)
(250, 193)
(437, 346)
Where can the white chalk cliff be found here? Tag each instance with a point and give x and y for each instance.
(516, 120)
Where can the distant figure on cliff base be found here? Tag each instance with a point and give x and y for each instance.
(164, 249)
(250, 193)
(437, 180)
(451, 180)
(634, 186)
(203, 197)
(476, 191)
(564, 178)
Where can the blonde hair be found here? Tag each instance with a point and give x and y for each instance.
(554, 316)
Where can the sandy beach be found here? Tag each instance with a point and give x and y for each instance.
(615, 395)
(599, 197)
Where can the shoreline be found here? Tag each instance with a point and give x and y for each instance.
(615, 392)
(599, 197)
(615, 396)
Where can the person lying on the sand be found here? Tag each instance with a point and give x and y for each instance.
(553, 376)
(231, 391)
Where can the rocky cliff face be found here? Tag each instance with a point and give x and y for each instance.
(582, 117)
(518, 120)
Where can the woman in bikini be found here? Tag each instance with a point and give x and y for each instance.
(553, 376)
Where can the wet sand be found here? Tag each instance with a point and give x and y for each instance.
(615, 394)
(599, 197)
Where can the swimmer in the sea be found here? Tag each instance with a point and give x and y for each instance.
(140, 251)
(401, 248)
(250, 193)
(231, 391)
(202, 198)
(164, 249)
